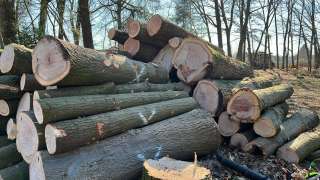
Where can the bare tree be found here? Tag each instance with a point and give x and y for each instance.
(8, 23)
(43, 17)
(61, 7)
(85, 22)
(228, 22)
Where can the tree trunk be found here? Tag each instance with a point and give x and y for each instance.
(239, 140)
(268, 125)
(140, 51)
(298, 149)
(4, 141)
(84, 14)
(117, 35)
(246, 105)
(299, 122)
(166, 138)
(43, 17)
(29, 83)
(218, 23)
(195, 59)
(16, 59)
(8, 22)
(61, 7)
(164, 58)
(168, 168)
(213, 95)
(67, 135)
(16, 172)
(226, 126)
(9, 156)
(175, 42)
(56, 109)
(148, 87)
(80, 66)
(11, 129)
(8, 107)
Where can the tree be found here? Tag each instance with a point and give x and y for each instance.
(43, 17)
(85, 22)
(8, 23)
(228, 22)
(61, 7)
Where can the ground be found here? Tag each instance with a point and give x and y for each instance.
(306, 95)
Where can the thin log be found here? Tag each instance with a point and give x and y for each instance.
(117, 35)
(175, 42)
(302, 146)
(299, 122)
(9, 156)
(239, 140)
(8, 107)
(246, 105)
(16, 59)
(76, 66)
(67, 135)
(29, 83)
(140, 51)
(226, 126)
(166, 138)
(18, 171)
(164, 58)
(268, 125)
(4, 141)
(56, 109)
(12, 129)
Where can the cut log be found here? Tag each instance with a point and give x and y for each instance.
(9, 156)
(8, 107)
(19, 171)
(74, 66)
(166, 138)
(268, 125)
(195, 59)
(226, 126)
(149, 87)
(302, 146)
(246, 105)
(29, 83)
(175, 42)
(25, 104)
(239, 140)
(9, 80)
(30, 137)
(213, 95)
(67, 135)
(117, 51)
(299, 122)
(16, 59)
(167, 168)
(4, 141)
(116, 35)
(9, 87)
(12, 129)
(56, 109)
(140, 51)
(164, 58)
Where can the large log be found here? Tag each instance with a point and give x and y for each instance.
(195, 59)
(9, 87)
(74, 66)
(299, 122)
(239, 140)
(302, 146)
(213, 95)
(67, 135)
(246, 105)
(269, 123)
(164, 58)
(18, 171)
(140, 51)
(16, 59)
(171, 137)
(116, 35)
(29, 83)
(11, 129)
(9, 156)
(149, 87)
(168, 168)
(56, 109)
(4, 141)
(8, 107)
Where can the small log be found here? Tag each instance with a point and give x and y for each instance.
(213, 95)
(164, 58)
(29, 83)
(9, 87)
(299, 122)
(226, 126)
(140, 51)
(12, 129)
(8, 107)
(166, 138)
(67, 135)
(239, 140)
(175, 42)
(76, 66)
(4, 141)
(16, 59)
(168, 168)
(56, 109)
(30, 137)
(117, 35)
(246, 105)
(18, 171)
(25, 104)
(195, 59)
(302, 146)
(268, 125)
(9, 156)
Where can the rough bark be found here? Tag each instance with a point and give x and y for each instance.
(168, 168)
(80, 66)
(9, 156)
(246, 105)
(175, 42)
(3, 125)
(226, 126)
(9, 80)
(164, 58)
(302, 146)
(117, 35)
(140, 51)
(16, 59)
(56, 109)
(269, 123)
(213, 95)
(19, 171)
(8, 107)
(67, 135)
(101, 161)
(239, 140)
(84, 17)
(9, 87)
(4, 141)
(299, 122)
(29, 83)
(149, 87)
(11, 129)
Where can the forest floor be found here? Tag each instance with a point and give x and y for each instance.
(306, 95)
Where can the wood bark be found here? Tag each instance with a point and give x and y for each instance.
(3, 125)
(8, 107)
(239, 140)
(16, 59)
(18, 171)
(4, 141)
(246, 105)
(195, 59)
(175, 42)
(117, 35)
(166, 138)
(9, 156)
(302, 146)
(269, 123)
(67, 135)
(9, 80)
(11, 129)
(213, 95)
(299, 122)
(164, 58)
(9, 87)
(29, 83)
(56, 109)
(149, 87)
(80, 66)
(168, 168)
(140, 51)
